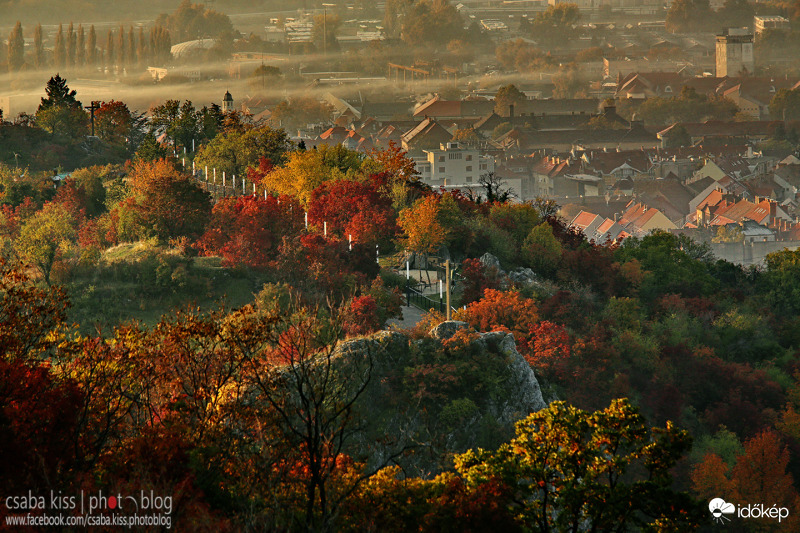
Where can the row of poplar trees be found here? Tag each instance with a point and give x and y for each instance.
(77, 49)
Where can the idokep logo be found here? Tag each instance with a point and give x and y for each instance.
(719, 508)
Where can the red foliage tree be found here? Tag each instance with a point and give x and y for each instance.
(548, 349)
(362, 316)
(477, 278)
(503, 309)
(38, 421)
(354, 208)
(248, 230)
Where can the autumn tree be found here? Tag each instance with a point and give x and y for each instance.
(248, 230)
(304, 171)
(165, 202)
(316, 410)
(354, 209)
(502, 310)
(71, 40)
(30, 316)
(394, 161)
(758, 476)
(507, 96)
(422, 231)
(80, 48)
(46, 237)
(114, 122)
(568, 469)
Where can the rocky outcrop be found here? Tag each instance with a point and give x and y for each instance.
(435, 400)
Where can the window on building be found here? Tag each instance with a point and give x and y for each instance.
(469, 157)
(454, 156)
(469, 179)
(441, 170)
(483, 166)
(469, 168)
(441, 159)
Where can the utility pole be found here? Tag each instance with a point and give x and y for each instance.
(447, 281)
(325, 28)
(92, 108)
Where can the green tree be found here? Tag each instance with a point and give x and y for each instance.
(570, 470)
(61, 113)
(16, 48)
(180, 122)
(541, 250)
(45, 237)
(234, 151)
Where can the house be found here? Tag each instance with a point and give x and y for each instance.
(427, 135)
(722, 132)
(641, 85)
(640, 219)
(441, 109)
(452, 164)
(599, 229)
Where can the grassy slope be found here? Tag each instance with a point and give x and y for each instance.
(141, 282)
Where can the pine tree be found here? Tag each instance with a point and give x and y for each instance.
(60, 51)
(38, 47)
(58, 94)
(91, 48)
(16, 49)
(80, 52)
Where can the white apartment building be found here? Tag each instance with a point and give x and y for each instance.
(453, 165)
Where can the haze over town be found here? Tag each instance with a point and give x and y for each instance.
(416, 265)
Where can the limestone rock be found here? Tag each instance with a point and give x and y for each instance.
(447, 329)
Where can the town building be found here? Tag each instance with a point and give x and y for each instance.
(453, 164)
(735, 53)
